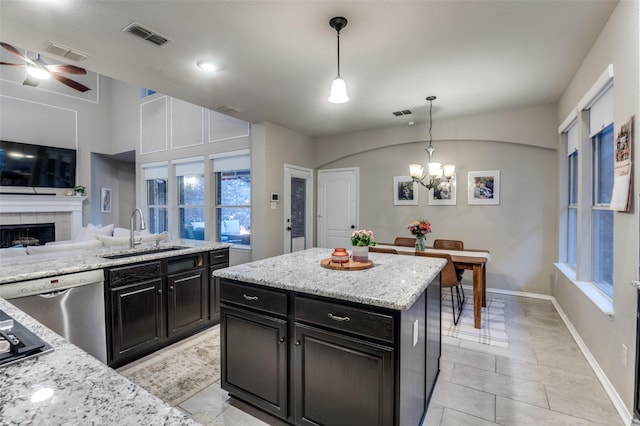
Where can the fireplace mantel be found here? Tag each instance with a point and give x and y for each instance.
(25, 204)
(18, 203)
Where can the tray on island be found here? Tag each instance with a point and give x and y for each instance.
(348, 266)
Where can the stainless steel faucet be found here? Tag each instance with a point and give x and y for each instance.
(143, 226)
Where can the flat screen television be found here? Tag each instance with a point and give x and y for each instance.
(30, 165)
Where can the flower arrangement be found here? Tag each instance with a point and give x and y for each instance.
(79, 189)
(362, 237)
(420, 228)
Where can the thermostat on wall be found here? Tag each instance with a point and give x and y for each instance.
(275, 197)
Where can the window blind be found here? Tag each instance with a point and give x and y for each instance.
(157, 171)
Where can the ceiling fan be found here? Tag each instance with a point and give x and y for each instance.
(38, 70)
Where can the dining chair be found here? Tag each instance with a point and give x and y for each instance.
(405, 242)
(375, 249)
(449, 279)
(451, 245)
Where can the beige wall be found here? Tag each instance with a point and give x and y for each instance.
(604, 336)
(520, 232)
(273, 146)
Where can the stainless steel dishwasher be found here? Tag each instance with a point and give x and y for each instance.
(72, 305)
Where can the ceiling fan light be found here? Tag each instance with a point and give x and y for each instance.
(338, 94)
(39, 73)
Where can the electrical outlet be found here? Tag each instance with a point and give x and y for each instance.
(624, 354)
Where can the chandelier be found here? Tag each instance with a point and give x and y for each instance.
(435, 173)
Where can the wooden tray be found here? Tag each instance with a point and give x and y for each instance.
(349, 266)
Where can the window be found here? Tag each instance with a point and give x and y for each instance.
(572, 216)
(156, 185)
(601, 216)
(190, 184)
(233, 199)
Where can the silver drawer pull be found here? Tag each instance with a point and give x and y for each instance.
(337, 318)
(250, 297)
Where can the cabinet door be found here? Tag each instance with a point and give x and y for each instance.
(254, 358)
(341, 381)
(136, 317)
(187, 301)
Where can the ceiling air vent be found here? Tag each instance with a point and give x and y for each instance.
(403, 112)
(226, 109)
(65, 52)
(146, 33)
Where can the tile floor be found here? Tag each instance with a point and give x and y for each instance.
(541, 379)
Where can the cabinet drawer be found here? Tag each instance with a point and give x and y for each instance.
(345, 318)
(219, 257)
(134, 273)
(257, 298)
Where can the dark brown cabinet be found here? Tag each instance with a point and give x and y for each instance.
(218, 259)
(187, 301)
(153, 304)
(254, 364)
(341, 381)
(135, 317)
(330, 362)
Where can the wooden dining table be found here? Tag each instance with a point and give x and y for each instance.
(474, 260)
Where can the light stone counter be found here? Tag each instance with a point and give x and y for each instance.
(61, 261)
(85, 391)
(394, 281)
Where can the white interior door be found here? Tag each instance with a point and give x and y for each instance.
(298, 208)
(337, 206)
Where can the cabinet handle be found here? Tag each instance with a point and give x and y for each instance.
(170, 288)
(159, 291)
(281, 340)
(249, 297)
(337, 318)
(297, 343)
(219, 256)
(186, 279)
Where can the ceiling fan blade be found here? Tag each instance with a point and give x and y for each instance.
(14, 65)
(73, 84)
(16, 52)
(66, 68)
(31, 81)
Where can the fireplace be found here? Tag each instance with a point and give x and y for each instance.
(32, 234)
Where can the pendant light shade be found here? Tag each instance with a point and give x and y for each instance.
(338, 94)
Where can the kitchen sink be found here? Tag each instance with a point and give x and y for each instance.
(140, 252)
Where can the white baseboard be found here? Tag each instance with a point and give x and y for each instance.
(618, 403)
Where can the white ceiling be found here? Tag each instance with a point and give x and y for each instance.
(280, 56)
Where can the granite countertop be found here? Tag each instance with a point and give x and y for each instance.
(61, 261)
(394, 281)
(85, 391)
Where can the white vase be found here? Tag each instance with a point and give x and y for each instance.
(360, 253)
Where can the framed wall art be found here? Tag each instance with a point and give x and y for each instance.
(405, 191)
(484, 187)
(105, 200)
(444, 194)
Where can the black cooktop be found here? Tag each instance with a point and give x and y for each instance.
(17, 343)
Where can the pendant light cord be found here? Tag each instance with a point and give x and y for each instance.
(338, 53)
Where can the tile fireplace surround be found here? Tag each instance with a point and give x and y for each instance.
(65, 212)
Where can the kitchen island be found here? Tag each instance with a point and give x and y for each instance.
(312, 345)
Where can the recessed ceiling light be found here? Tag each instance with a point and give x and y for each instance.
(208, 66)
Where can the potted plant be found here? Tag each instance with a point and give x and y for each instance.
(79, 190)
(360, 241)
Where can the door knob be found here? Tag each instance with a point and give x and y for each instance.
(288, 228)
(353, 227)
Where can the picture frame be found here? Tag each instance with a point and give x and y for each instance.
(484, 187)
(105, 200)
(405, 191)
(444, 194)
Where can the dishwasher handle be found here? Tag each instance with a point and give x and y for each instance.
(55, 293)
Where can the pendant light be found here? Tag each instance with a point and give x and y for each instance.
(338, 94)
